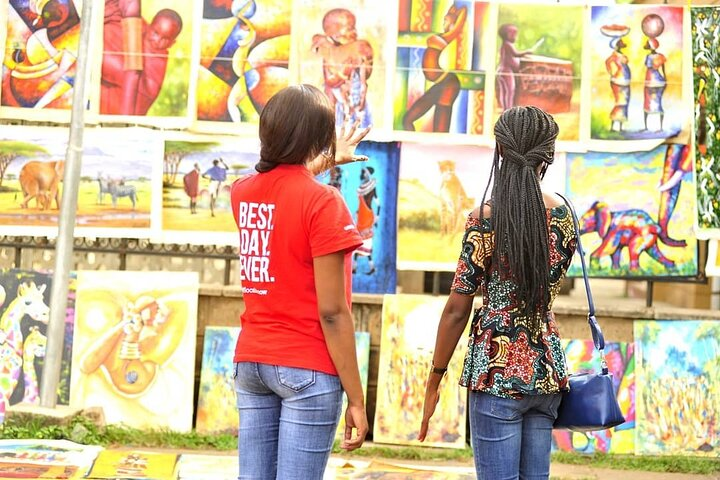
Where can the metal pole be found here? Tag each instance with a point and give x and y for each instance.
(66, 223)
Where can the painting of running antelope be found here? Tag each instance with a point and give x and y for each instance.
(24, 315)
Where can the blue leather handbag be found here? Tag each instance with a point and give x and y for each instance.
(591, 403)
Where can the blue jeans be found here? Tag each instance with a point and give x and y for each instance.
(288, 419)
(511, 439)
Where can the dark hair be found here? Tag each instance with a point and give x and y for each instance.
(296, 125)
(526, 136)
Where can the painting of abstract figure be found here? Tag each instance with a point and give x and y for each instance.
(441, 66)
(582, 357)
(679, 360)
(637, 65)
(145, 59)
(40, 55)
(706, 77)
(245, 50)
(644, 229)
(215, 414)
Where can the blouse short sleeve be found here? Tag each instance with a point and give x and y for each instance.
(332, 228)
(477, 246)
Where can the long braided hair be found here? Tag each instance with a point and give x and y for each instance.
(525, 139)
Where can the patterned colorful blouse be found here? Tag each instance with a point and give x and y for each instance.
(504, 358)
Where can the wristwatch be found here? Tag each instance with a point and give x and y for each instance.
(437, 370)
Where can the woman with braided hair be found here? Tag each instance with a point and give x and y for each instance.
(516, 249)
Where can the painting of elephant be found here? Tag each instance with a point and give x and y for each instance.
(40, 180)
(633, 229)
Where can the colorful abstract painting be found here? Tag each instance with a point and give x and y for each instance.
(370, 190)
(133, 464)
(636, 66)
(620, 357)
(24, 316)
(713, 262)
(144, 66)
(362, 351)
(678, 388)
(439, 186)
(114, 190)
(56, 459)
(134, 343)
(39, 60)
(341, 49)
(197, 176)
(637, 212)
(442, 59)
(216, 409)
(245, 50)
(539, 61)
(706, 83)
(409, 323)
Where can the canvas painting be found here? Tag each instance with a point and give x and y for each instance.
(216, 410)
(713, 262)
(114, 190)
(637, 219)
(370, 190)
(362, 351)
(134, 343)
(409, 323)
(133, 464)
(144, 59)
(57, 459)
(341, 49)
(439, 186)
(706, 87)
(636, 72)
(441, 66)
(539, 61)
(620, 357)
(197, 176)
(201, 467)
(40, 59)
(245, 50)
(24, 316)
(685, 371)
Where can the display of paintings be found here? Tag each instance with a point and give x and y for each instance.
(370, 190)
(441, 65)
(114, 190)
(202, 467)
(362, 352)
(341, 49)
(216, 409)
(245, 50)
(644, 229)
(56, 459)
(39, 59)
(197, 175)
(143, 64)
(134, 343)
(677, 360)
(620, 357)
(24, 316)
(706, 87)
(712, 269)
(406, 348)
(539, 61)
(636, 70)
(133, 464)
(439, 186)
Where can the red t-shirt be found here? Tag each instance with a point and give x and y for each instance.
(286, 218)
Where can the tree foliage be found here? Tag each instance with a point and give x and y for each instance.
(11, 150)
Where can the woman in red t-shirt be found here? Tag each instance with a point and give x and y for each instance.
(296, 352)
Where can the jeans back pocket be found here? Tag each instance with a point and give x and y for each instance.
(296, 379)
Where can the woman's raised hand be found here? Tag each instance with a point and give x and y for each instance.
(347, 139)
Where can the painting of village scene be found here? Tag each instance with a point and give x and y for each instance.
(197, 176)
(114, 190)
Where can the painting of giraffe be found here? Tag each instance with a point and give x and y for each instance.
(29, 302)
(34, 347)
(24, 312)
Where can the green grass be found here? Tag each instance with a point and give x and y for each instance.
(82, 430)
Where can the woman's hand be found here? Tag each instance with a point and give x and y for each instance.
(355, 417)
(432, 396)
(347, 139)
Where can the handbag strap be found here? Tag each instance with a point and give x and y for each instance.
(597, 335)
